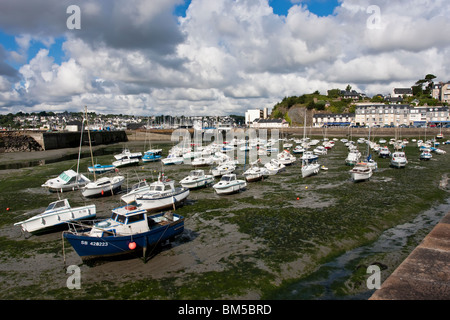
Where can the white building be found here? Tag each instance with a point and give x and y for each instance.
(270, 123)
(255, 114)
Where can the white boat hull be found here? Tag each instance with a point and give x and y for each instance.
(230, 188)
(197, 183)
(361, 176)
(126, 162)
(103, 186)
(44, 222)
(160, 201)
(309, 170)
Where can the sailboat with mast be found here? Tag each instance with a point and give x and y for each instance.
(310, 166)
(104, 185)
(68, 180)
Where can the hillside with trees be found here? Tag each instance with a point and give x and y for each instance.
(292, 109)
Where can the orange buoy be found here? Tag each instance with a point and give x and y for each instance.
(132, 245)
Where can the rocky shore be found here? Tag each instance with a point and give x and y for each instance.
(18, 142)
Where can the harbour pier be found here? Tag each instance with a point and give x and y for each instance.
(425, 273)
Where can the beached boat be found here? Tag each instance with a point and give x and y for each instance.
(320, 150)
(137, 189)
(101, 168)
(68, 180)
(103, 186)
(56, 215)
(309, 156)
(399, 160)
(127, 153)
(286, 158)
(229, 184)
(172, 159)
(298, 149)
(125, 162)
(197, 179)
(223, 168)
(152, 155)
(425, 154)
(353, 157)
(274, 166)
(361, 172)
(202, 161)
(384, 152)
(255, 172)
(127, 230)
(310, 168)
(162, 195)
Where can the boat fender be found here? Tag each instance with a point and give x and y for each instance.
(131, 208)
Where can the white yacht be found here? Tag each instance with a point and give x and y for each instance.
(353, 157)
(229, 184)
(127, 153)
(399, 160)
(274, 166)
(137, 189)
(69, 180)
(361, 172)
(162, 195)
(197, 179)
(172, 159)
(103, 186)
(286, 158)
(255, 173)
(310, 168)
(223, 168)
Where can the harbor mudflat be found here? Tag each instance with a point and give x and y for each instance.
(252, 244)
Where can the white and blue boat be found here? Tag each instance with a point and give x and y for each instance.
(101, 168)
(309, 157)
(152, 155)
(129, 229)
(425, 155)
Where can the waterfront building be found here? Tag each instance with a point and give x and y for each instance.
(270, 124)
(382, 115)
(327, 119)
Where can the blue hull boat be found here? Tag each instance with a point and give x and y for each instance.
(113, 236)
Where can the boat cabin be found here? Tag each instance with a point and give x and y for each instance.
(196, 173)
(228, 177)
(124, 220)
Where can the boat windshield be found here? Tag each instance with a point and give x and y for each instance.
(63, 176)
(156, 188)
(56, 205)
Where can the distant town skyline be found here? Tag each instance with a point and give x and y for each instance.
(202, 57)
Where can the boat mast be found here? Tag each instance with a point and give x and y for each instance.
(79, 150)
(89, 136)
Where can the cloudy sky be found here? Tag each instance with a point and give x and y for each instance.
(211, 57)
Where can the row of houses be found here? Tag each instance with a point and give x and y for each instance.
(386, 115)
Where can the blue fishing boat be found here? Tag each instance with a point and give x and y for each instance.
(129, 229)
(152, 155)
